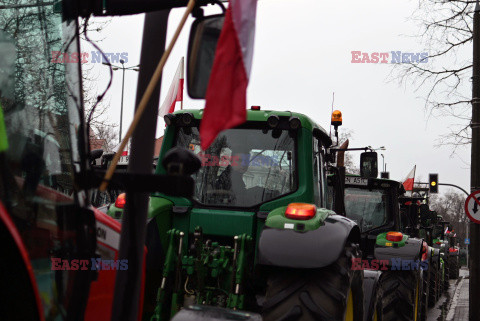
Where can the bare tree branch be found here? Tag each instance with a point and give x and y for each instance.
(445, 29)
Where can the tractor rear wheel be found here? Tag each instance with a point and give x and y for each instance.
(453, 262)
(424, 295)
(331, 293)
(441, 276)
(377, 314)
(402, 295)
(446, 283)
(432, 297)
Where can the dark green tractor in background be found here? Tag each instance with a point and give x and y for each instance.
(398, 285)
(453, 262)
(440, 241)
(418, 220)
(261, 234)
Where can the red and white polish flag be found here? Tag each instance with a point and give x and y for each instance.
(175, 92)
(124, 152)
(226, 100)
(409, 180)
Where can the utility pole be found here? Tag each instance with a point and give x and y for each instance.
(467, 228)
(474, 285)
(123, 68)
(121, 104)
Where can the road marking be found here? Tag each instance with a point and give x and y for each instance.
(453, 305)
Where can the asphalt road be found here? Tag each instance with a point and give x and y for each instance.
(454, 304)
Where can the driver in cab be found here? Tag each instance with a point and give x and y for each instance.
(231, 179)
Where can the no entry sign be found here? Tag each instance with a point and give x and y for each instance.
(472, 207)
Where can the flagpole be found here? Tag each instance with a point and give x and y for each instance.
(146, 96)
(183, 81)
(414, 171)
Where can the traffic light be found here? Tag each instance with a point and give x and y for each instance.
(433, 183)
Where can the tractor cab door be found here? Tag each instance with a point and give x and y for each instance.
(320, 186)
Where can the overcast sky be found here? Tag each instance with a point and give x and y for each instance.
(301, 56)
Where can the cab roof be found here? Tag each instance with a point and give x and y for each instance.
(262, 116)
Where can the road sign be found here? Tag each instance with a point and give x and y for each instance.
(467, 241)
(472, 207)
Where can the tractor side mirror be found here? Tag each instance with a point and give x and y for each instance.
(368, 165)
(95, 154)
(204, 35)
(179, 161)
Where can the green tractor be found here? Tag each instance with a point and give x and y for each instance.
(440, 241)
(261, 234)
(396, 260)
(453, 262)
(419, 221)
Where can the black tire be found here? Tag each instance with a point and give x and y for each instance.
(432, 284)
(401, 295)
(454, 268)
(457, 268)
(317, 294)
(424, 293)
(446, 283)
(377, 307)
(440, 280)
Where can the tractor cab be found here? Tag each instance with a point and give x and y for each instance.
(255, 165)
(373, 204)
(416, 216)
(439, 231)
(245, 167)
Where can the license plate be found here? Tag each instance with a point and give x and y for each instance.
(123, 160)
(356, 181)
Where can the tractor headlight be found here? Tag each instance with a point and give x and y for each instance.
(294, 123)
(187, 119)
(169, 119)
(273, 121)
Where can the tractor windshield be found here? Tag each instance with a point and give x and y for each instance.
(367, 207)
(437, 232)
(242, 167)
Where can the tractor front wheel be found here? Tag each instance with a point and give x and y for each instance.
(331, 293)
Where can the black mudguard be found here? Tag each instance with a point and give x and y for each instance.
(311, 249)
(209, 313)
(411, 251)
(370, 289)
